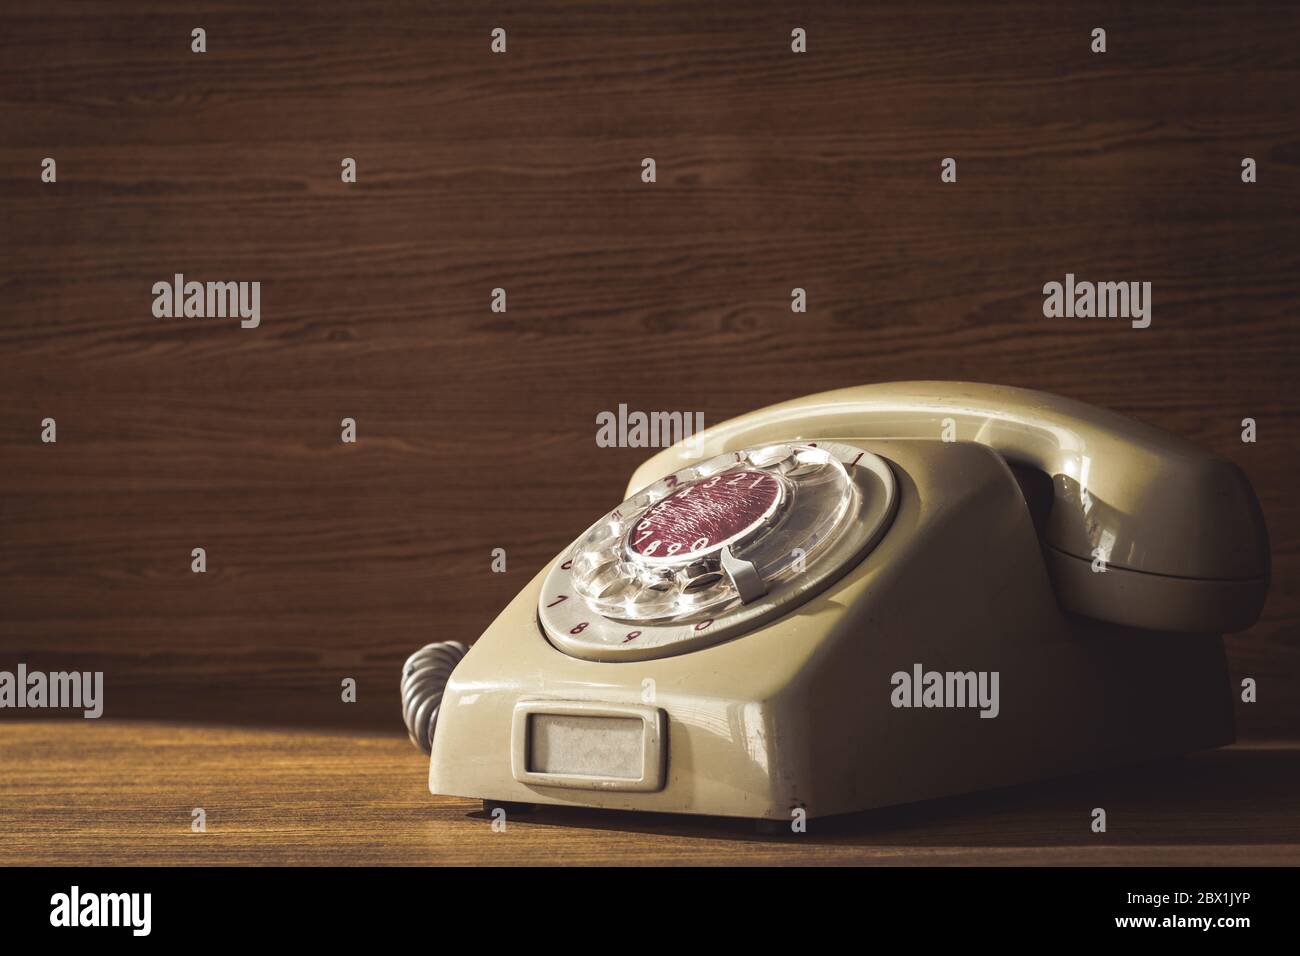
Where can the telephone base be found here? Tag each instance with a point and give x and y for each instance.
(942, 663)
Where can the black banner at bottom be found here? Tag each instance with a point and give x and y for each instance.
(641, 906)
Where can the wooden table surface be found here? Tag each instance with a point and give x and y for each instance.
(122, 793)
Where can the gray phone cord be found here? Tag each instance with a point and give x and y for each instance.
(424, 678)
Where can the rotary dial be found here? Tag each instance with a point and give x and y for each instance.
(712, 550)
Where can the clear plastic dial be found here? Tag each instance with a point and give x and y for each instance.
(776, 507)
(715, 548)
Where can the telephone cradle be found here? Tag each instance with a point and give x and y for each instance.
(858, 599)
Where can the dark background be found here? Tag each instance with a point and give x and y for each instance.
(523, 171)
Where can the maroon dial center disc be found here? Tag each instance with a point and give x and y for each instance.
(705, 515)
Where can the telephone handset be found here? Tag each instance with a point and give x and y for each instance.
(797, 610)
(1178, 531)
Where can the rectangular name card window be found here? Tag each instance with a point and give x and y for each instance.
(586, 746)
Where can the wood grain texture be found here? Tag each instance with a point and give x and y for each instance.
(522, 171)
(123, 792)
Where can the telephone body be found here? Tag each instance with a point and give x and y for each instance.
(733, 639)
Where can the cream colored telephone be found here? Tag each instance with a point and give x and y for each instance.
(861, 598)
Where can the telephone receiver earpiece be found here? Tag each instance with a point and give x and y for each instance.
(1144, 529)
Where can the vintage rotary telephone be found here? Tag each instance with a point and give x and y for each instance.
(818, 605)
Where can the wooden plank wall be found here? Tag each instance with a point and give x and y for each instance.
(522, 171)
